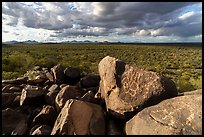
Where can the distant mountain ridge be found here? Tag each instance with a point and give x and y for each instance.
(88, 41)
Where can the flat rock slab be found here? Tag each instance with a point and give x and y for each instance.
(176, 116)
(127, 89)
(18, 81)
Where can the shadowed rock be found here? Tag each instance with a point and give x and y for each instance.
(32, 95)
(90, 80)
(128, 89)
(13, 122)
(181, 115)
(7, 99)
(113, 128)
(46, 116)
(72, 75)
(80, 118)
(18, 81)
(42, 130)
(89, 97)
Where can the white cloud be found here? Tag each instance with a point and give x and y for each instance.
(142, 32)
(186, 15)
(63, 20)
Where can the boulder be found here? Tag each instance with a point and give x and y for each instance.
(54, 87)
(33, 128)
(18, 81)
(38, 80)
(14, 122)
(93, 89)
(113, 128)
(91, 80)
(127, 89)
(50, 76)
(32, 95)
(15, 89)
(72, 73)
(58, 74)
(42, 130)
(67, 92)
(80, 118)
(46, 116)
(6, 88)
(50, 97)
(89, 97)
(198, 91)
(180, 115)
(48, 83)
(62, 85)
(16, 101)
(7, 99)
(10, 88)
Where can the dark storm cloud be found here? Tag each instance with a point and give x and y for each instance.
(121, 18)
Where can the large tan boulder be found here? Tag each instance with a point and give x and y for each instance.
(80, 118)
(128, 89)
(181, 115)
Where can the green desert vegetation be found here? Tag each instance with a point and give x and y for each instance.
(182, 64)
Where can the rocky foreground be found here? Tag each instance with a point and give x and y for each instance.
(121, 100)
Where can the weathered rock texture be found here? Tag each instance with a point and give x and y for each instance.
(127, 89)
(80, 118)
(176, 116)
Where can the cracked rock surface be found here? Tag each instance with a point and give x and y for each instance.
(181, 115)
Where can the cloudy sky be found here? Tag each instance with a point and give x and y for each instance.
(102, 21)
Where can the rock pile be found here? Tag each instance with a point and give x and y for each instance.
(121, 100)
